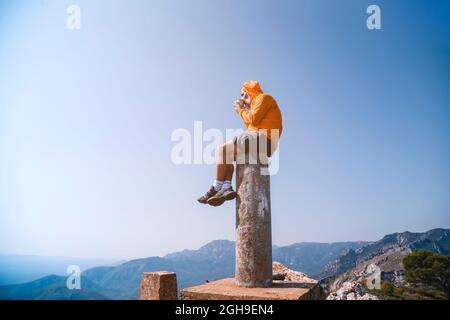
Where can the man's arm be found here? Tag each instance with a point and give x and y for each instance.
(262, 104)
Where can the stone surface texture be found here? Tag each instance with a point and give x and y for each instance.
(253, 227)
(160, 285)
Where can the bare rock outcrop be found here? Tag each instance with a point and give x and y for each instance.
(288, 276)
(351, 291)
(291, 275)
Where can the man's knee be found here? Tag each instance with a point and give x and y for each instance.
(226, 152)
(221, 149)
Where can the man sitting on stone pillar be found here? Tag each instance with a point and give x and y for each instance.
(262, 118)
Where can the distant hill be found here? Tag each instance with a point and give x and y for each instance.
(216, 260)
(51, 288)
(212, 261)
(311, 258)
(15, 269)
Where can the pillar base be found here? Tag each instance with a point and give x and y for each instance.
(226, 289)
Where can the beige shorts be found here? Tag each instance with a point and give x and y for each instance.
(251, 147)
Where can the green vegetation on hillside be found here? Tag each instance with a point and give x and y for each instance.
(427, 275)
(429, 270)
(390, 292)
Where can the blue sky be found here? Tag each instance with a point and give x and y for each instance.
(86, 118)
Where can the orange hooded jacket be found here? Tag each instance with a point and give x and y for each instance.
(264, 114)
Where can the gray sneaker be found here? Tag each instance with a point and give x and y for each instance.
(222, 196)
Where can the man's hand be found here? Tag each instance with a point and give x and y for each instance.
(238, 105)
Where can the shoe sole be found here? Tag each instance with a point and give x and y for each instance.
(218, 201)
(230, 196)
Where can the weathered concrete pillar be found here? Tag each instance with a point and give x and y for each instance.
(161, 285)
(253, 227)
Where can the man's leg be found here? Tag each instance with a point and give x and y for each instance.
(226, 154)
(230, 171)
(224, 163)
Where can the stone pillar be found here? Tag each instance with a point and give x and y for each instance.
(253, 227)
(161, 285)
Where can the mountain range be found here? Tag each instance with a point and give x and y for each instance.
(216, 260)
(387, 254)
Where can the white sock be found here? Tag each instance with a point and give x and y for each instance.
(217, 185)
(226, 184)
